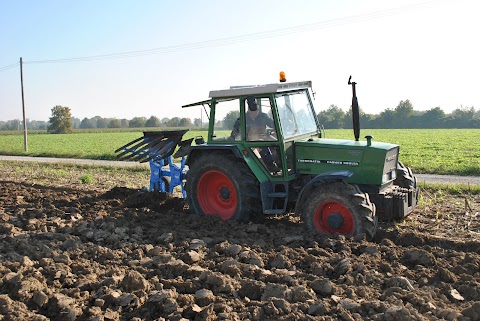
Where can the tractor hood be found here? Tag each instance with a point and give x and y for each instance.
(371, 163)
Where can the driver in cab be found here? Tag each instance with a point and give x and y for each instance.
(256, 121)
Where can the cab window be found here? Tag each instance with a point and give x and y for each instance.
(227, 113)
(258, 120)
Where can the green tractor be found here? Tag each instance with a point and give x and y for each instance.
(266, 154)
(288, 165)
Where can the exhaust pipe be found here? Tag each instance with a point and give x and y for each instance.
(355, 110)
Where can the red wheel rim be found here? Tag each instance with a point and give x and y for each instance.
(217, 195)
(332, 217)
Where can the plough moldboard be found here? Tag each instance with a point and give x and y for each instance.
(159, 148)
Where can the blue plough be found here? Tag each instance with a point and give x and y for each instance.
(158, 149)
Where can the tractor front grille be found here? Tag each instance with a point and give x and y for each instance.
(391, 159)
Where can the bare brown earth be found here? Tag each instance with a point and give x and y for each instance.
(73, 251)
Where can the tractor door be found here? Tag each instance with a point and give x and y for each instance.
(261, 130)
(297, 119)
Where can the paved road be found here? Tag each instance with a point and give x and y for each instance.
(422, 178)
(70, 160)
(447, 179)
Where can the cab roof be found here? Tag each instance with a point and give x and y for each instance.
(235, 91)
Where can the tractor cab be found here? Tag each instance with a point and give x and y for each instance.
(265, 120)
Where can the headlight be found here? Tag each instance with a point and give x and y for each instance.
(389, 176)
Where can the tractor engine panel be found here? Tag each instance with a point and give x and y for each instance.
(370, 164)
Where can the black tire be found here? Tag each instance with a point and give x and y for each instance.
(340, 208)
(405, 177)
(220, 184)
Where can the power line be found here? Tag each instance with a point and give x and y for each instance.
(9, 67)
(247, 37)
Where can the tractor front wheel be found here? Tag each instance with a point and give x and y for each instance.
(220, 184)
(340, 208)
(405, 177)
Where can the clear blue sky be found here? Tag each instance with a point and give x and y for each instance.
(424, 51)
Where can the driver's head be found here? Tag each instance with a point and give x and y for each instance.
(252, 104)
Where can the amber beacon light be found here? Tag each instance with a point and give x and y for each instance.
(282, 76)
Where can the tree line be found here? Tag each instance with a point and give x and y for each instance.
(402, 116)
(62, 121)
(137, 122)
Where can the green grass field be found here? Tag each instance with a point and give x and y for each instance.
(440, 151)
(434, 151)
(80, 144)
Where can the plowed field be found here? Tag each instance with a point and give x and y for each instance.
(78, 252)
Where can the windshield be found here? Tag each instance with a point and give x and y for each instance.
(296, 115)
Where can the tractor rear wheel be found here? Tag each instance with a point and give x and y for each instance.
(220, 184)
(340, 208)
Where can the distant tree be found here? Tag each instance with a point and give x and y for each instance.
(95, 121)
(137, 122)
(174, 122)
(165, 121)
(61, 120)
(197, 122)
(366, 120)
(153, 122)
(386, 119)
(462, 117)
(102, 122)
(403, 114)
(31, 124)
(230, 119)
(124, 123)
(404, 109)
(433, 118)
(42, 125)
(463, 113)
(115, 123)
(4, 125)
(87, 123)
(185, 122)
(76, 122)
(12, 124)
(333, 117)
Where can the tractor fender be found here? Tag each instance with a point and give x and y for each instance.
(200, 149)
(327, 177)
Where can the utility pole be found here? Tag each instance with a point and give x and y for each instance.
(25, 141)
